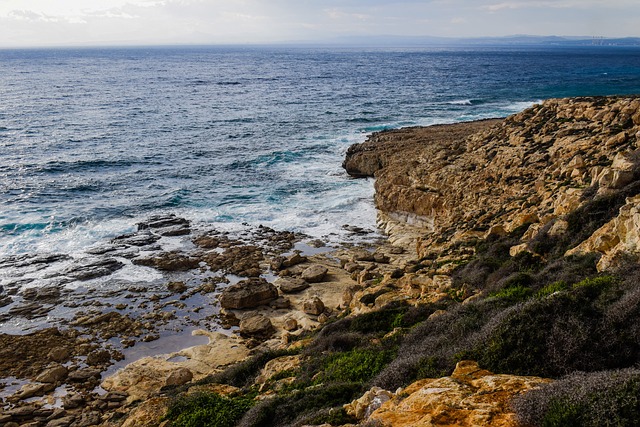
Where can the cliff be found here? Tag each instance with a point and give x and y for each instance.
(468, 181)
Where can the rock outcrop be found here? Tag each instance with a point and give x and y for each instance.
(490, 177)
(248, 294)
(469, 397)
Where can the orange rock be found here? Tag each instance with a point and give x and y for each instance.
(469, 397)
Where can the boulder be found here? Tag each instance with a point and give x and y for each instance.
(248, 293)
(179, 377)
(314, 307)
(315, 273)
(53, 374)
(256, 326)
(291, 285)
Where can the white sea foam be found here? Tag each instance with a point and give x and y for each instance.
(461, 102)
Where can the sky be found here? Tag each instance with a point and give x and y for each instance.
(124, 22)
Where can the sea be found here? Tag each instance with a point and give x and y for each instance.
(92, 140)
(95, 140)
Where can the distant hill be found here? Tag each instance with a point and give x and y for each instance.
(515, 40)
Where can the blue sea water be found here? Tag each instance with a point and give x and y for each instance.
(93, 140)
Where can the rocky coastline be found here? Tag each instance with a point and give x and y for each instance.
(482, 221)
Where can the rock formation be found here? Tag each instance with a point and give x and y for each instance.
(469, 397)
(470, 180)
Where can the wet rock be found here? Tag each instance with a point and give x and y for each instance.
(83, 375)
(92, 268)
(30, 310)
(291, 285)
(72, 401)
(166, 225)
(176, 287)
(150, 337)
(58, 354)
(248, 294)
(315, 273)
(314, 307)
(53, 374)
(242, 260)
(169, 261)
(33, 389)
(99, 357)
(179, 377)
(256, 326)
(39, 261)
(136, 239)
(5, 300)
(47, 294)
(21, 411)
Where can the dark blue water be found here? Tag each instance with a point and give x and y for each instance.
(91, 140)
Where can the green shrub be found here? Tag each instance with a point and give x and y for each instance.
(378, 321)
(552, 288)
(513, 294)
(358, 365)
(207, 410)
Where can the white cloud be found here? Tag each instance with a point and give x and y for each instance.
(28, 22)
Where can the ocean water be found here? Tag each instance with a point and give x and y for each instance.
(93, 140)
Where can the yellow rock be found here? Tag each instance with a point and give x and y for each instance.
(469, 397)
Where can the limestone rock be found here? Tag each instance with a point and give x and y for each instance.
(363, 407)
(290, 325)
(314, 307)
(491, 177)
(470, 397)
(179, 377)
(617, 239)
(146, 376)
(290, 285)
(148, 413)
(256, 326)
(248, 294)
(315, 273)
(53, 374)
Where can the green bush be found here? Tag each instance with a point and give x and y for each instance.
(513, 294)
(207, 410)
(552, 288)
(358, 365)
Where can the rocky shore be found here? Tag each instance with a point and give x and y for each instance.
(498, 234)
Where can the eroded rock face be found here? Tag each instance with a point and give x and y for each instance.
(530, 168)
(617, 240)
(469, 397)
(248, 294)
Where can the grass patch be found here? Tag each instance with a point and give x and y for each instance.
(358, 365)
